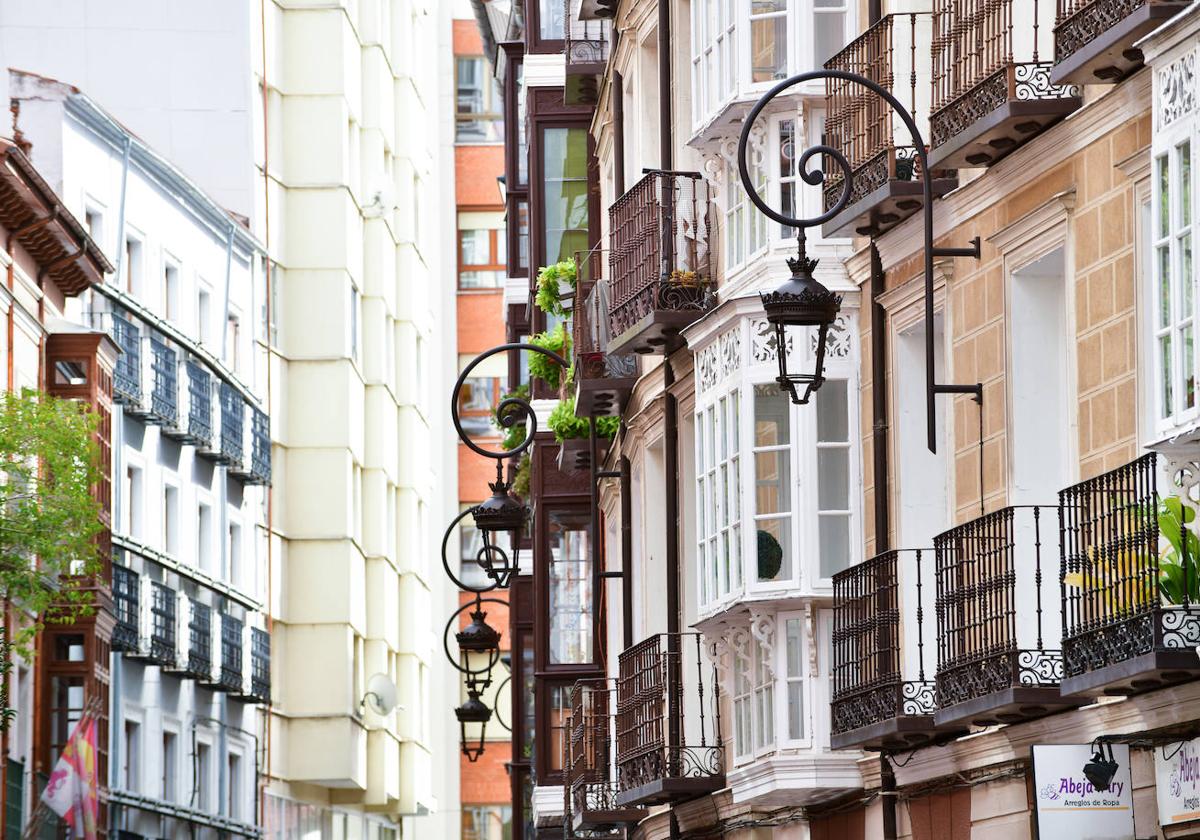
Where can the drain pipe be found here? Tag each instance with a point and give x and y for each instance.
(671, 470)
(665, 137)
(879, 404)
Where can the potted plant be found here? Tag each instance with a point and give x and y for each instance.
(557, 340)
(550, 280)
(685, 279)
(571, 432)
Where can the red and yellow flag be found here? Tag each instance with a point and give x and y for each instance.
(72, 790)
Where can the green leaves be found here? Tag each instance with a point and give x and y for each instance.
(566, 426)
(543, 367)
(1178, 570)
(550, 280)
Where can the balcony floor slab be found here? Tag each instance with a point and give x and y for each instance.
(1013, 704)
(1111, 56)
(602, 397)
(899, 733)
(605, 819)
(1000, 132)
(655, 332)
(884, 208)
(1135, 675)
(671, 789)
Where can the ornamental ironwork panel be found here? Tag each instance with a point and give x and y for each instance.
(654, 740)
(162, 623)
(589, 323)
(200, 413)
(871, 621)
(260, 439)
(997, 617)
(127, 375)
(1112, 610)
(164, 390)
(231, 653)
(586, 41)
(260, 664)
(1079, 22)
(199, 658)
(233, 419)
(127, 608)
(861, 126)
(659, 254)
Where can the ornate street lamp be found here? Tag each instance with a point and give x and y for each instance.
(502, 512)
(472, 711)
(478, 636)
(803, 301)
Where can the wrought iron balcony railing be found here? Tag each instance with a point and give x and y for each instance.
(127, 609)
(591, 787)
(1094, 39)
(199, 650)
(231, 654)
(199, 407)
(162, 624)
(1119, 635)
(886, 182)
(259, 688)
(669, 743)
(991, 79)
(586, 46)
(998, 618)
(127, 375)
(659, 255)
(260, 442)
(882, 698)
(603, 380)
(233, 426)
(164, 386)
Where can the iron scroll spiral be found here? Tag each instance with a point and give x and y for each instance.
(493, 550)
(818, 177)
(510, 411)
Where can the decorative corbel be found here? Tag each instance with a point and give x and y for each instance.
(762, 627)
(719, 653)
(713, 171)
(1184, 472)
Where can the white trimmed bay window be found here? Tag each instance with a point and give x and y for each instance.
(776, 498)
(741, 47)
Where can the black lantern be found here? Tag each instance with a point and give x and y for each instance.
(472, 711)
(478, 636)
(1102, 768)
(501, 513)
(801, 302)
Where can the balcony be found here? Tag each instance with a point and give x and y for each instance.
(991, 80)
(998, 619)
(127, 375)
(233, 427)
(256, 469)
(659, 261)
(886, 183)
(882, 699)
(1119, 637)
(198, 428)
(164, 384)
(590, 789)
(586, 49)
(603, 380)
(199, 649)
(230, 678)
(126, 608)
(669, 745)
(1094, 39)
(162, 624)
(259, 689)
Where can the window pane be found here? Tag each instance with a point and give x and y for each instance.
(795, 698)
(774, 549)
(833, 422)
(768, 41)
(735, 423)
(772, 482)
(1188, 364)
(794, 641)
(835, 543)
(1185, 183)
(480, 279)
(1186, 279)
(1164, 197)
(829, 34)
(475, 247)
(566, 209)
(1164, 356)
(560, 707)
(570, 625)
(550, 16)
(1164, 286)
(833, 479)
(771, 426)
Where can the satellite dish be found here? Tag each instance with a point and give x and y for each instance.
(381, 695)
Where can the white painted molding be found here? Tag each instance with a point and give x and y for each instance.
(545, 70)
(1036, 224)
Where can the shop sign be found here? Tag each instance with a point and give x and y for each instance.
(1068, 805)
(1178, 781)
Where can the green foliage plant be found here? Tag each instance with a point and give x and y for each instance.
(1178, 570)
(566, 426)
(557, 340)
(49, 520)
(514, 435)
(549, 286)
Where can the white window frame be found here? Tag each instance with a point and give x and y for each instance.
(783, 735)
(715, 51)
(719, 530)
(1169, 150)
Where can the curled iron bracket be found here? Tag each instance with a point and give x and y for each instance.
(816, 177)
(493, 657)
